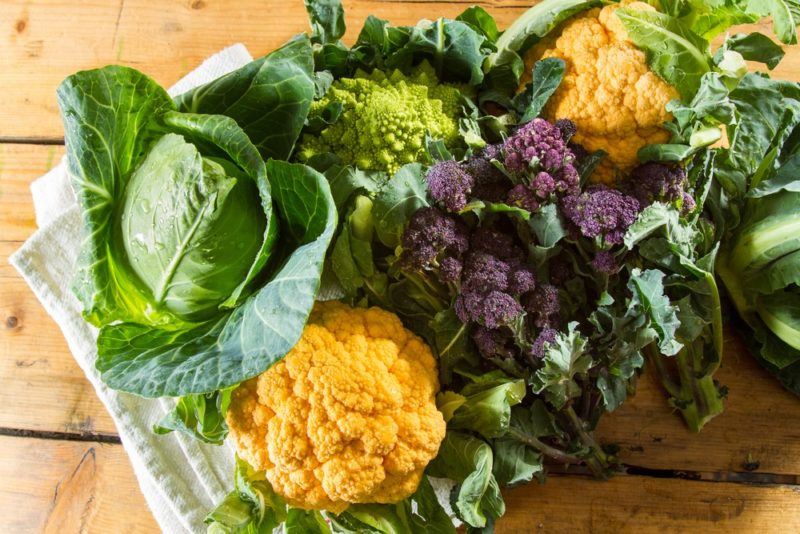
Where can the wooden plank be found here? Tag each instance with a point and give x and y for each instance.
(89, 487)
(69, 486)
(43, 388)
(45, 41)
(19, 166)
(753, 434)
(644, 505)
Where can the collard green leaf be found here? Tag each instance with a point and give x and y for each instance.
(199, 416)
(109, 120)
(754, 47)
(327, 20)
(269, 97)
(403, 195)
(784, 15)
(468, 461)
(547, 226)
(674, 51)
(487, 409)
(516, 463)
(454, 49)
(251, 507)
(421, 512)
(155, 362)
(546, 77)
(481, 21)
(452, 343)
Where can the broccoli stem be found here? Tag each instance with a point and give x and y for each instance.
(548, 450)
(598, 461)
(695, 395)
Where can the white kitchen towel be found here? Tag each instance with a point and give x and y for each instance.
(181, 478)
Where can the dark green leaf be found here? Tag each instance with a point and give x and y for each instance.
(402, 196)
(327, 20)
(754, 47)
(269, 97)
(546, 77)
(480, 20)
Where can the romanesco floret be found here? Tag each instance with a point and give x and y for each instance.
(384, 119)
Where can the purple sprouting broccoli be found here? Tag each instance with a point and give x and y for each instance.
(546, 336)
(543, 305)
(538, 154)
(601, 212)
(496, 243)
(659, 182)
(491, 309)
(450, 184)
(434, 239)
(494, 281)
(538, 145)
(604, 262)
(491, 184)
(450, 269)
(484, 272)
(492, 342)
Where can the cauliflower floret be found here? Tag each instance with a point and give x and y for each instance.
(348, 416)
(384, 120)
(608, 91)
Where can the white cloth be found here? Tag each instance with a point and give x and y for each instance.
(181, 479)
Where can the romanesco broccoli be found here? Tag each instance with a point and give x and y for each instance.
(384, 119)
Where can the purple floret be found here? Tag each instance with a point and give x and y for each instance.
(492, 309)
(520, 279)
(601, 212)
(536, 144)
(523, 197)
(484, 272)
(656, 182)
(604, 262)
(491, 342)
(450, 184)
(543, 305)
(545, 337)
(450, 269)
(490, 184)
(496, 243)
(432, 235)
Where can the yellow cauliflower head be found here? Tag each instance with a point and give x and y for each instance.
(348, 416)
(608, 91)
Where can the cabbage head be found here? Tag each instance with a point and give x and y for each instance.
(200, 261)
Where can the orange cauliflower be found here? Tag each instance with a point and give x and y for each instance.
(608, 91)
(348, 416)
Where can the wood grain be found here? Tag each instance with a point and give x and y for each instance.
(45, 41)
(69, 487)
(643, 505)
(43, 389)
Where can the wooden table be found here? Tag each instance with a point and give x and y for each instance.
(61, 463)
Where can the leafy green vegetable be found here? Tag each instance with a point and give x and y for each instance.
(327, 20)
(404, 194)
(468, 461)
(564, 362)
(200, 416)
(252, 506)
(674, 51)
(242, 343)
(269, 97)
(546, 77)
(753, 47)
(487, 404)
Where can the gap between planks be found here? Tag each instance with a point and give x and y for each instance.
(735, 477)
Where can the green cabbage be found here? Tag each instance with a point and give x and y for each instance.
(200, 262)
